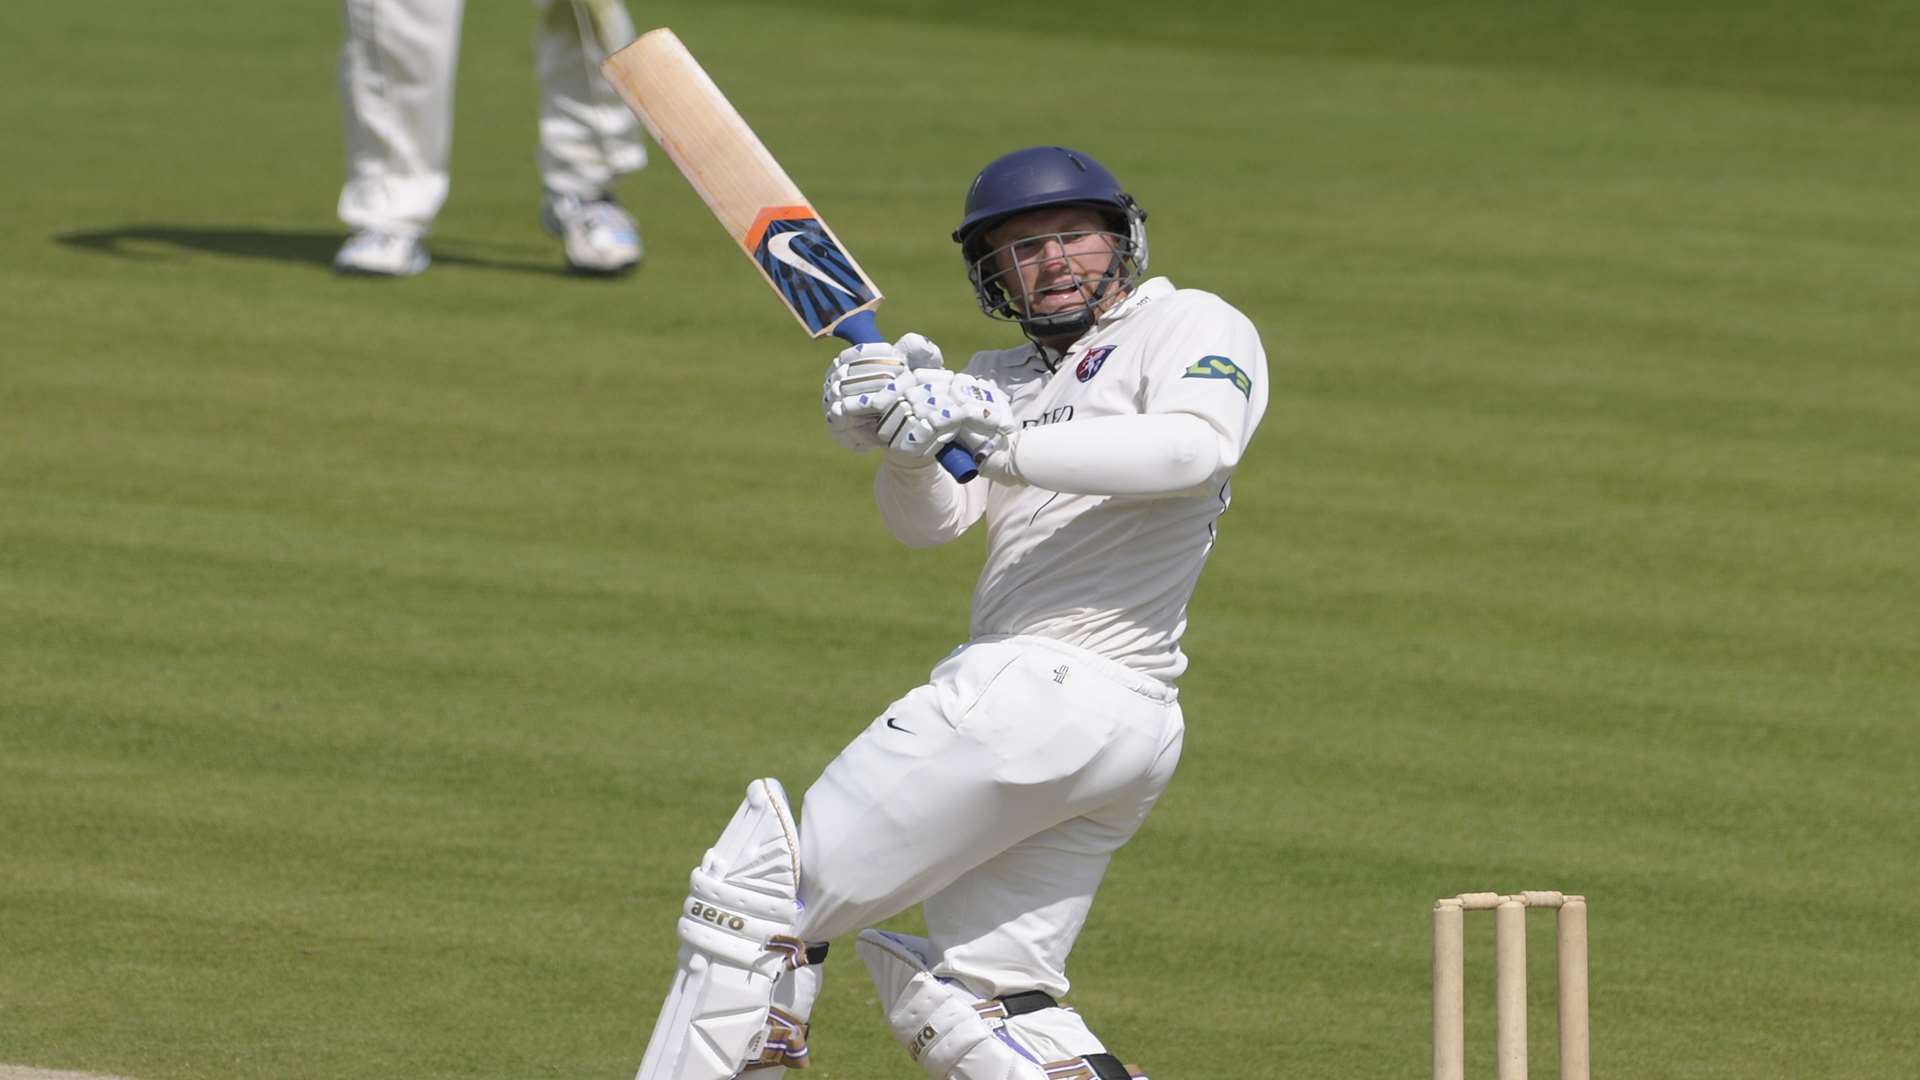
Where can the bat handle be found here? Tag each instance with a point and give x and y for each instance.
(860, 328)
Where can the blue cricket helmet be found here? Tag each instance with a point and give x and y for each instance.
(1037, 178)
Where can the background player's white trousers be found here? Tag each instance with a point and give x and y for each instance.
(396, 88)
(996, 794)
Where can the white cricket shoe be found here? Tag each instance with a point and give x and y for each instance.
(600, 237)
(375, 253)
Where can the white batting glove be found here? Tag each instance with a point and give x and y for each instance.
(861, 384)
(864, 382)
(921, 353)
(942, 407)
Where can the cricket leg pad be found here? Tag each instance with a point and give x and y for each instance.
(938, 1023)
(784, 1045)
(738, 997)
(956, 1035)
(1054, 1033)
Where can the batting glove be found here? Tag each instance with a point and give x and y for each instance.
(942, 407)
(865, 382)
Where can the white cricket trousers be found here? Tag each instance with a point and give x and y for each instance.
(396, 92)
(994, 795)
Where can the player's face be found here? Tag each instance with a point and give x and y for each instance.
(1054, 258)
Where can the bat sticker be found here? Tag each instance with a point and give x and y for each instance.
(809, 269)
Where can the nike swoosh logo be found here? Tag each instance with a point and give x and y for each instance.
(781, 248)
(896, 726)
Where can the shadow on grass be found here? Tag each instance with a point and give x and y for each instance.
(313, 247)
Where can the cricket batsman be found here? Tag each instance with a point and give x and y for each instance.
(996, 794)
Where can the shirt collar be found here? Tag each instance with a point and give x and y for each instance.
(1146, 293)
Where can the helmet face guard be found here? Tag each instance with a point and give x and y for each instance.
(1001, 288)
(1039, 178)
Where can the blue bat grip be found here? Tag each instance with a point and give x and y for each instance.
(860, 328)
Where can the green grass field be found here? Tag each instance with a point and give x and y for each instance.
(376, 658)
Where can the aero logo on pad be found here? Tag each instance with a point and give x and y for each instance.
(807, 266)
(1219, 367)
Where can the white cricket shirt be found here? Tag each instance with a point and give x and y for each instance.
(1109, 573)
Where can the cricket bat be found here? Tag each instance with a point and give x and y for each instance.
(747, 190)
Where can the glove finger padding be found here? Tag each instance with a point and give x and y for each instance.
(863, 379)
(854, 432)
(906, 435)
(919, 352)
(866, 377)
(861, 383)
(951, 406)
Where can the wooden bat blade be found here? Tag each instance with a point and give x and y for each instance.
(747, 190)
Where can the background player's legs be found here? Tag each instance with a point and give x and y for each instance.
(588, 136)
(396, 93)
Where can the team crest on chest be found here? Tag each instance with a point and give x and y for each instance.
(1089, 365)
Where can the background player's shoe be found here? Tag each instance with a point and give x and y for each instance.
(373, 253)
(599, 235)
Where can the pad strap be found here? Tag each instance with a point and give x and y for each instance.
(1108, 1067)
(1093, 1067)
(956, 1036)
(1103, 1066)
(1026, 1002)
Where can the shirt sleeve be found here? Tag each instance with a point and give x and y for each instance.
(1149, 454)
(925, 507)
(1207, 361)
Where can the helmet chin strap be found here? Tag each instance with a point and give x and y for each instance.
(1070, 325)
